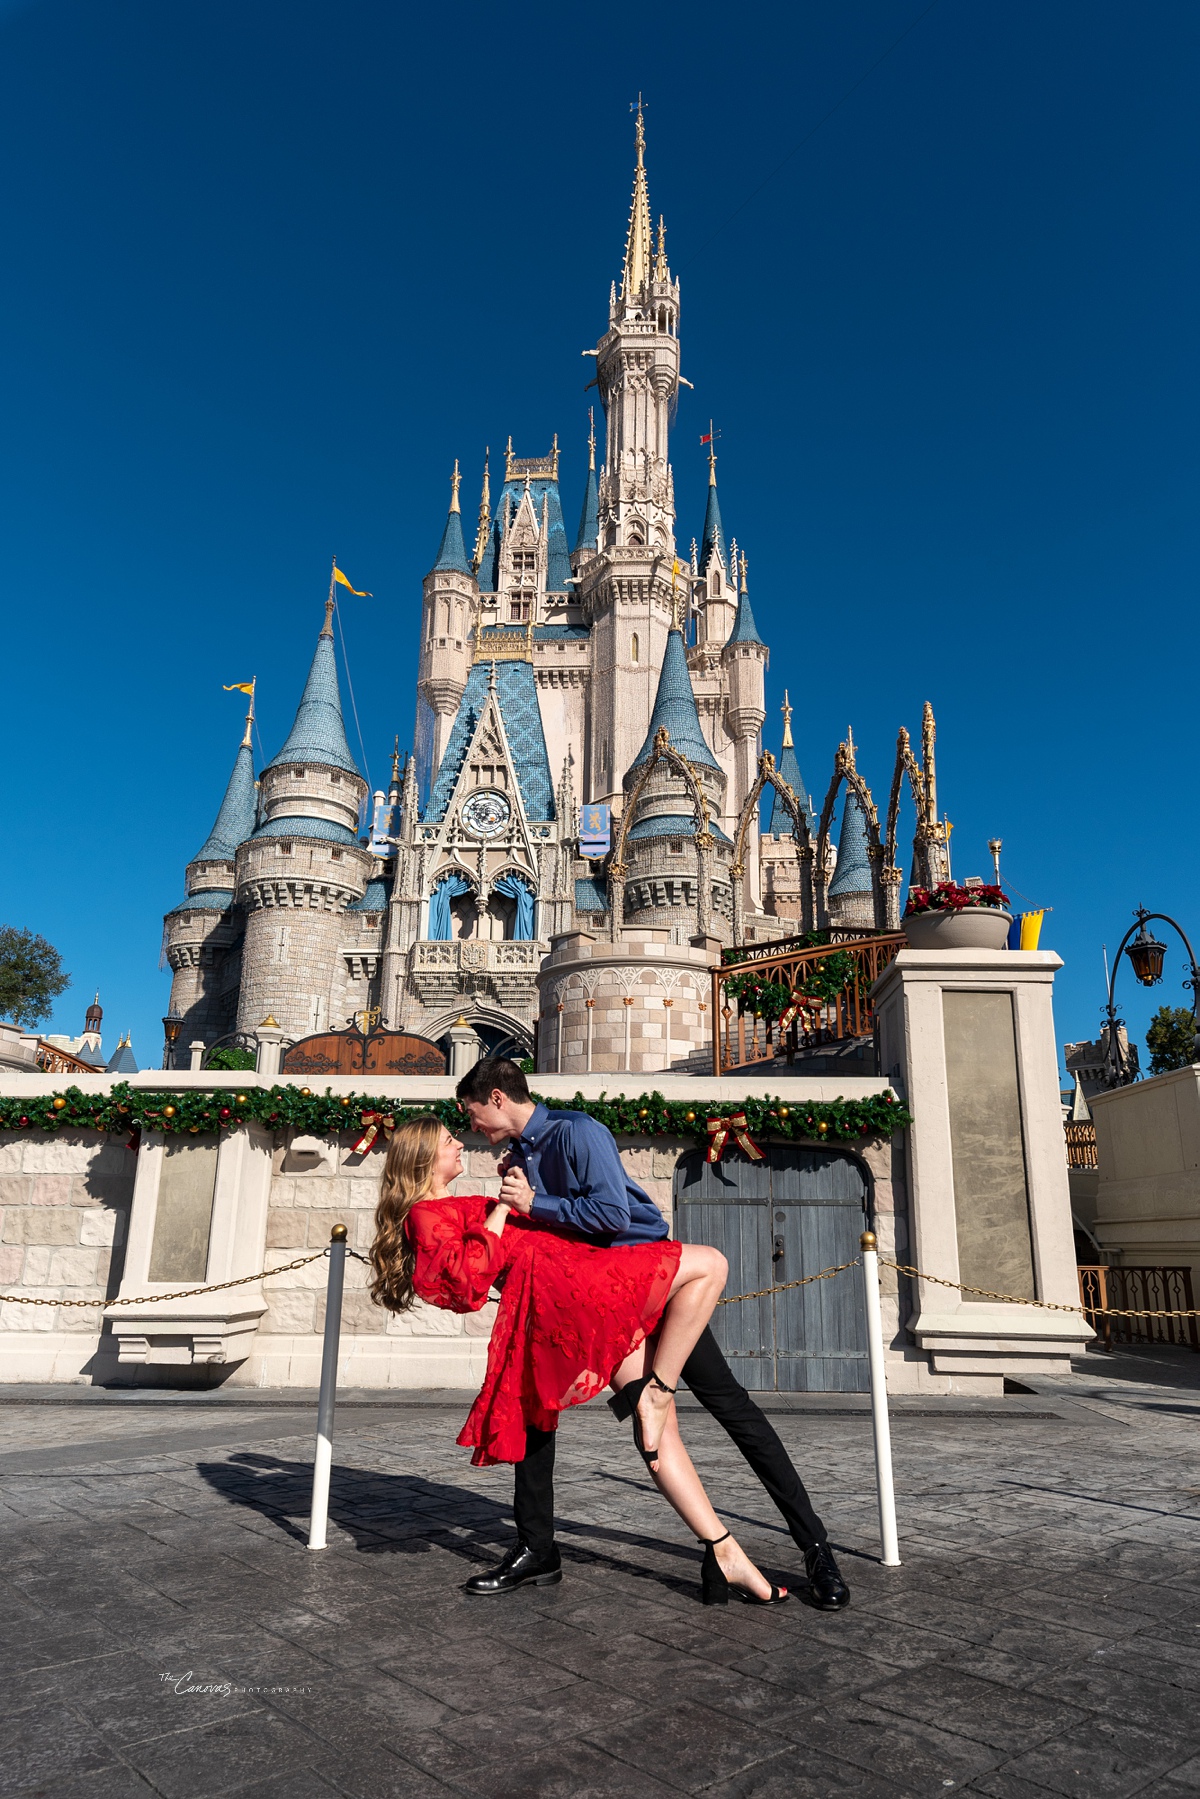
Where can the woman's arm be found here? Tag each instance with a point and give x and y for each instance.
(458, 1253)
(497, 1218)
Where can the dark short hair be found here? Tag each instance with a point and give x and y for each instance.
(480, 1082)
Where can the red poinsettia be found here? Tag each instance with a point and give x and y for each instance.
(950, 897)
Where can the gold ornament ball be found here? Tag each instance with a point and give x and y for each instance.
(59, 1104)
(168, 1111)
(783, 1112)
(645, 1112)
(345, 1102)
(306, 1092)
(194, 1129)
(241, 1099)
(691, 1117)
(822, 1127)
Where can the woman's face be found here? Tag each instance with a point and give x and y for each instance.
(448, 1165)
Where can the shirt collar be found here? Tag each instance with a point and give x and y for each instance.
(538, 1120)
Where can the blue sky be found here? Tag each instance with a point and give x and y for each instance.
(270, 268)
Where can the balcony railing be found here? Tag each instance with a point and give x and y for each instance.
(748, 1028)
(52, 1060)
(483, 957)
(1139, 1290)
(1081, 1143)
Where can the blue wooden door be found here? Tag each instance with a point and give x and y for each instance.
(791, 1215)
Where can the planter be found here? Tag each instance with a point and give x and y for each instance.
(974, 927)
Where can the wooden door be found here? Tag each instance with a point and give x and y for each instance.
(791, 1215)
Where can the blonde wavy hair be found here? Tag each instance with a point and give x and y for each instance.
(407, 1177)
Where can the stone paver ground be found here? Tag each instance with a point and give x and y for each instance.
(165, 1631)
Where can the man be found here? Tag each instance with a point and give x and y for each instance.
(564, 1170)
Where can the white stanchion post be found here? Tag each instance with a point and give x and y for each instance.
(880, 1425)
(323, 1459)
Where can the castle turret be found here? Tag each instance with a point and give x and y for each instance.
(745, 658)
(850, 895)
(777, 820)
(449, 614)
(304, 865)
(202, 935)
(718, 592)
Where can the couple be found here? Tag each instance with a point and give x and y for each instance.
(592, 1294)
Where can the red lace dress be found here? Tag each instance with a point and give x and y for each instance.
(570, 1312)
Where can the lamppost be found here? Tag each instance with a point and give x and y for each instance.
(1145, 955)
(172, 1025)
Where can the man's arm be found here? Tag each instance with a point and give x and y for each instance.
(600, 1207)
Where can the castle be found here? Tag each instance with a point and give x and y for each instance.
(603, 696)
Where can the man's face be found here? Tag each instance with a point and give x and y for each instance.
(490, 1117)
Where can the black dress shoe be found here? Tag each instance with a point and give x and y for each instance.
(520, 1568)
(826, 1588)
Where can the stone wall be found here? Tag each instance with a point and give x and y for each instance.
(64, 1217)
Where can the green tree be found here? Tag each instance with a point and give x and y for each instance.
(31, 976)
(1171, 1039)
(231, 1058)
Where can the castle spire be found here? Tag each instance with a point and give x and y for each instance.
(238, 811)
(713, 538)
(675, 709)
(588, 535)
(778, 821)
(318, 732)
(639, 238)
(452, 551)
(661, 271)
(786, 709)
(485, 517)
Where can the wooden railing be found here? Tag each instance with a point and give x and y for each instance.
(742, 1038)
(52, 1060)
(1139, 1289)
(1081, 1143)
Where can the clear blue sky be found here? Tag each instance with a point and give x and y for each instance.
(270, 268)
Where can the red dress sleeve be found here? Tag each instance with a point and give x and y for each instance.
(457, 1258)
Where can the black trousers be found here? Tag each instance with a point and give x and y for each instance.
(710, 1378)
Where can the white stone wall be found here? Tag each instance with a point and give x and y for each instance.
(64, 1217)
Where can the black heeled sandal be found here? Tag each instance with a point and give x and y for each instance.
(623, 1405)
(715, 1585)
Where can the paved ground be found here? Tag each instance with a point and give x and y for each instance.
(166, 1632)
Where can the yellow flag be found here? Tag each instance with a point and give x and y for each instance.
(240, 687)
(1031, 928)
(342, 581)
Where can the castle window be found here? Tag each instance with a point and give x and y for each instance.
(633, 648)
(521, 608)
(524, 562)
(336, 854)
(335, 776)
(297, 774)
(676, 846)
(285, 849)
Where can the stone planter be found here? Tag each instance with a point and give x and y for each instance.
(975, 927)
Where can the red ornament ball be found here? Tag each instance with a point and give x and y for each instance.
(22, 1122)
(225, 1112)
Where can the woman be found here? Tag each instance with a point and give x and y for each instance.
(572, 1320)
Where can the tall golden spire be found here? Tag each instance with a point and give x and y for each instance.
(742, 574)
(246, 743)
(485, 517)
(639, 245)
(396, 761)
(455, 481)
(787, 722)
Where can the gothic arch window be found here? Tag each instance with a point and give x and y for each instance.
(633, 647)
(637, 531)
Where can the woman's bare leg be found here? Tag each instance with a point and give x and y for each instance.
(680, 1485)
(698, 1284)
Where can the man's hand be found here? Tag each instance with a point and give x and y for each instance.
(515, 1191)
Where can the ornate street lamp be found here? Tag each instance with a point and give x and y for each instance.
(172, 1025)
(1145, 955)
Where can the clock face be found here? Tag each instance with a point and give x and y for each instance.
(486, 814)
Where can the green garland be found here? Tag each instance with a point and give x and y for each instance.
(770, 999)
(127, 1111)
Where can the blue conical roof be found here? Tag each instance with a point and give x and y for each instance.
(675, 707)
(589, 518)
(779, 821)
(853, 872)
(714, 531)
(318, 732)
(744, 628)
(235, 820)
(452, 552)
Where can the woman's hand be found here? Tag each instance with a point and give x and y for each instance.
(497, 1218)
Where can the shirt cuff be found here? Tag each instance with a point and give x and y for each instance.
(546, 1207)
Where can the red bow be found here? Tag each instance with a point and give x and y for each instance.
(719, 1132)
(373, 1120)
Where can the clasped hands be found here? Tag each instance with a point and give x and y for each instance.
(515, 1190)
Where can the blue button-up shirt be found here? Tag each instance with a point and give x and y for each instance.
(579, 1181)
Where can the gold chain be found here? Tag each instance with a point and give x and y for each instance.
(23, 1299)
(1017, 1299)
(826, 1274)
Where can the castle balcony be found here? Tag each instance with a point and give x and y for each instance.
(505, 971)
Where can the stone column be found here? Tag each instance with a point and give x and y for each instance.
(465, 1048)
(967, 1038)
(269, 1037)
(196, 1053)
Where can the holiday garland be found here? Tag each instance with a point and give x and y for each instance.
(769, 999)
(128, 1111)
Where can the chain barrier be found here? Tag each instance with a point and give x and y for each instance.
(25, 1299)
(1016, 1299)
